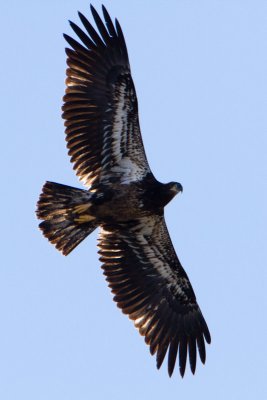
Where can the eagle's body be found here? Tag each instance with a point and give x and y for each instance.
(119, 202)
(123, 198)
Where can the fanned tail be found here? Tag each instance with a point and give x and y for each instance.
(65, 214)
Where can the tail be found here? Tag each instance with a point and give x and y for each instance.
(65, 214)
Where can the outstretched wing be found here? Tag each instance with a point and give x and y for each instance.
(152, 288)
(100, 106)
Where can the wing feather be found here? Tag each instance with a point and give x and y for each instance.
(100, 105)
(150, 285)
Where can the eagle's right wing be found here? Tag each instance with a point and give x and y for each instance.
(152, 288)
(100, 106)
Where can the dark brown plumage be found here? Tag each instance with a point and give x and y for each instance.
(123, 198)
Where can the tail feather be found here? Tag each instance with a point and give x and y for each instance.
(60, 207)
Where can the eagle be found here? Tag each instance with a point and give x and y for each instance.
(122, 197)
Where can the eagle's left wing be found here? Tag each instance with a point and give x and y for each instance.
(152, 288)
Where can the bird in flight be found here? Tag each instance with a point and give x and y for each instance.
(123, 198)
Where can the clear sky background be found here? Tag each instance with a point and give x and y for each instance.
(200, 73)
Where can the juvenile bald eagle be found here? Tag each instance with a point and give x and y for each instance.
(123, 198)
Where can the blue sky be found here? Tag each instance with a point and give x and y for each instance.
(200, 73)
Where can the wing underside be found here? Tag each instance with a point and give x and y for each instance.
(151, 287)
(100, 105)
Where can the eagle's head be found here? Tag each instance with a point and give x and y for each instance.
(168, 191)
(175, 187)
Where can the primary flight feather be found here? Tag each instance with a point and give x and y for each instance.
(123, 198)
